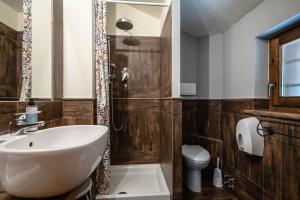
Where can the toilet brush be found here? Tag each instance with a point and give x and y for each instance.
(217, 181)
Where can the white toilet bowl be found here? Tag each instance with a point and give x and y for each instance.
(195, 158)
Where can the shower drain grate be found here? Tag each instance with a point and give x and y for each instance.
(122, 193)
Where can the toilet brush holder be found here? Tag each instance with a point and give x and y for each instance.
(217, 180)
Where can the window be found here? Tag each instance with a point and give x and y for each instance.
(290, 69)
(284, 69)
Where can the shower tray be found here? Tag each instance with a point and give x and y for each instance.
(136, 182)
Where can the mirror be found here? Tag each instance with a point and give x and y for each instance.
(41, 60)
(11, 20)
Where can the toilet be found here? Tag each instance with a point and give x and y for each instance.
(194, 158)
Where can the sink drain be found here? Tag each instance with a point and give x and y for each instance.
(122, 193)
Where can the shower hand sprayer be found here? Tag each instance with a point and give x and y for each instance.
(112, 77)
(125, 25)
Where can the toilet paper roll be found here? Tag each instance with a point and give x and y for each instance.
(247, 138)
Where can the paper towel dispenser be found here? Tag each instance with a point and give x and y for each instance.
(247, 138)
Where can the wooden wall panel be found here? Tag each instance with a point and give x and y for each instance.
(79, 112)
(51, 114)
(166, 56)
(177, 143)
(273, 176)
(143, 62)
(10, 64)
(166, 153)
(171, 141)
(139, 140)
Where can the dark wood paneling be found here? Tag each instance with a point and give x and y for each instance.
(7, 110)
(79, 112)
(171, 141)
(267, 177)
(10, 64)
(166, 56)
(51, 113)
(50, 109)
(166, 153)
(58, 47)
(208, 193)
(273, 176)
(143, 62)
(139, 140)
(290, 181)
(177, 143)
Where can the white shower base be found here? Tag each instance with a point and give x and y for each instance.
(137, 182)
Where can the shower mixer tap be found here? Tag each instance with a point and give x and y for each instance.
(125, 74)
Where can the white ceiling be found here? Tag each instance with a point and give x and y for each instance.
(16, 5)
(205, 17)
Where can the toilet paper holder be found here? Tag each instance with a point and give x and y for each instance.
(260, 131)
(270, 131)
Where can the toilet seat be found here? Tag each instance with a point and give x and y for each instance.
(195, 153)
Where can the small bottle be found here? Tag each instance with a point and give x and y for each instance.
(31, 112)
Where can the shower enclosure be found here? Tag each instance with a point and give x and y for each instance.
(134, 45)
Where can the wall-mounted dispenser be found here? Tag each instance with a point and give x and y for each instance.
(247, 138)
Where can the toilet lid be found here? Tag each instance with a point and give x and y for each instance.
(195, 153)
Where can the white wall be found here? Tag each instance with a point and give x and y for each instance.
(164, 13)
(145, 19)
(78, 49)
(176, 48)
(189, 53)
(10, 17)
(202, 63)
(41, 49)
(243, 75)
(203, 68)
(216, 66)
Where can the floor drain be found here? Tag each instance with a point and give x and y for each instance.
(122, 193)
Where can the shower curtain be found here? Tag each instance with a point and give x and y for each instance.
(26, 51)
(102, 92)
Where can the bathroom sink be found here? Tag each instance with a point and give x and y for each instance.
(51, 162)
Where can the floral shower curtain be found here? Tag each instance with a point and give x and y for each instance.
(26, 51)
(102, 92)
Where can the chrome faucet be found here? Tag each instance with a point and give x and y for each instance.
(23, 127)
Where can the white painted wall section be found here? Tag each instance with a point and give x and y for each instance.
(243, 73)
(216, 66)
(10, 17)
(145, 19)
(203, 68)
(42, 49)
(78, 49)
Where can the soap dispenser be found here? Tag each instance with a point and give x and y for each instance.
(31, 112)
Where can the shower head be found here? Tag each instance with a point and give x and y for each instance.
(124, 24)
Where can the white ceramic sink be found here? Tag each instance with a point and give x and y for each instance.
(51, 162)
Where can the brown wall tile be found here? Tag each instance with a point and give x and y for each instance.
(139, 139)
(166, 56)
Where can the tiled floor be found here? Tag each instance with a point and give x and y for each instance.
(208, 193)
